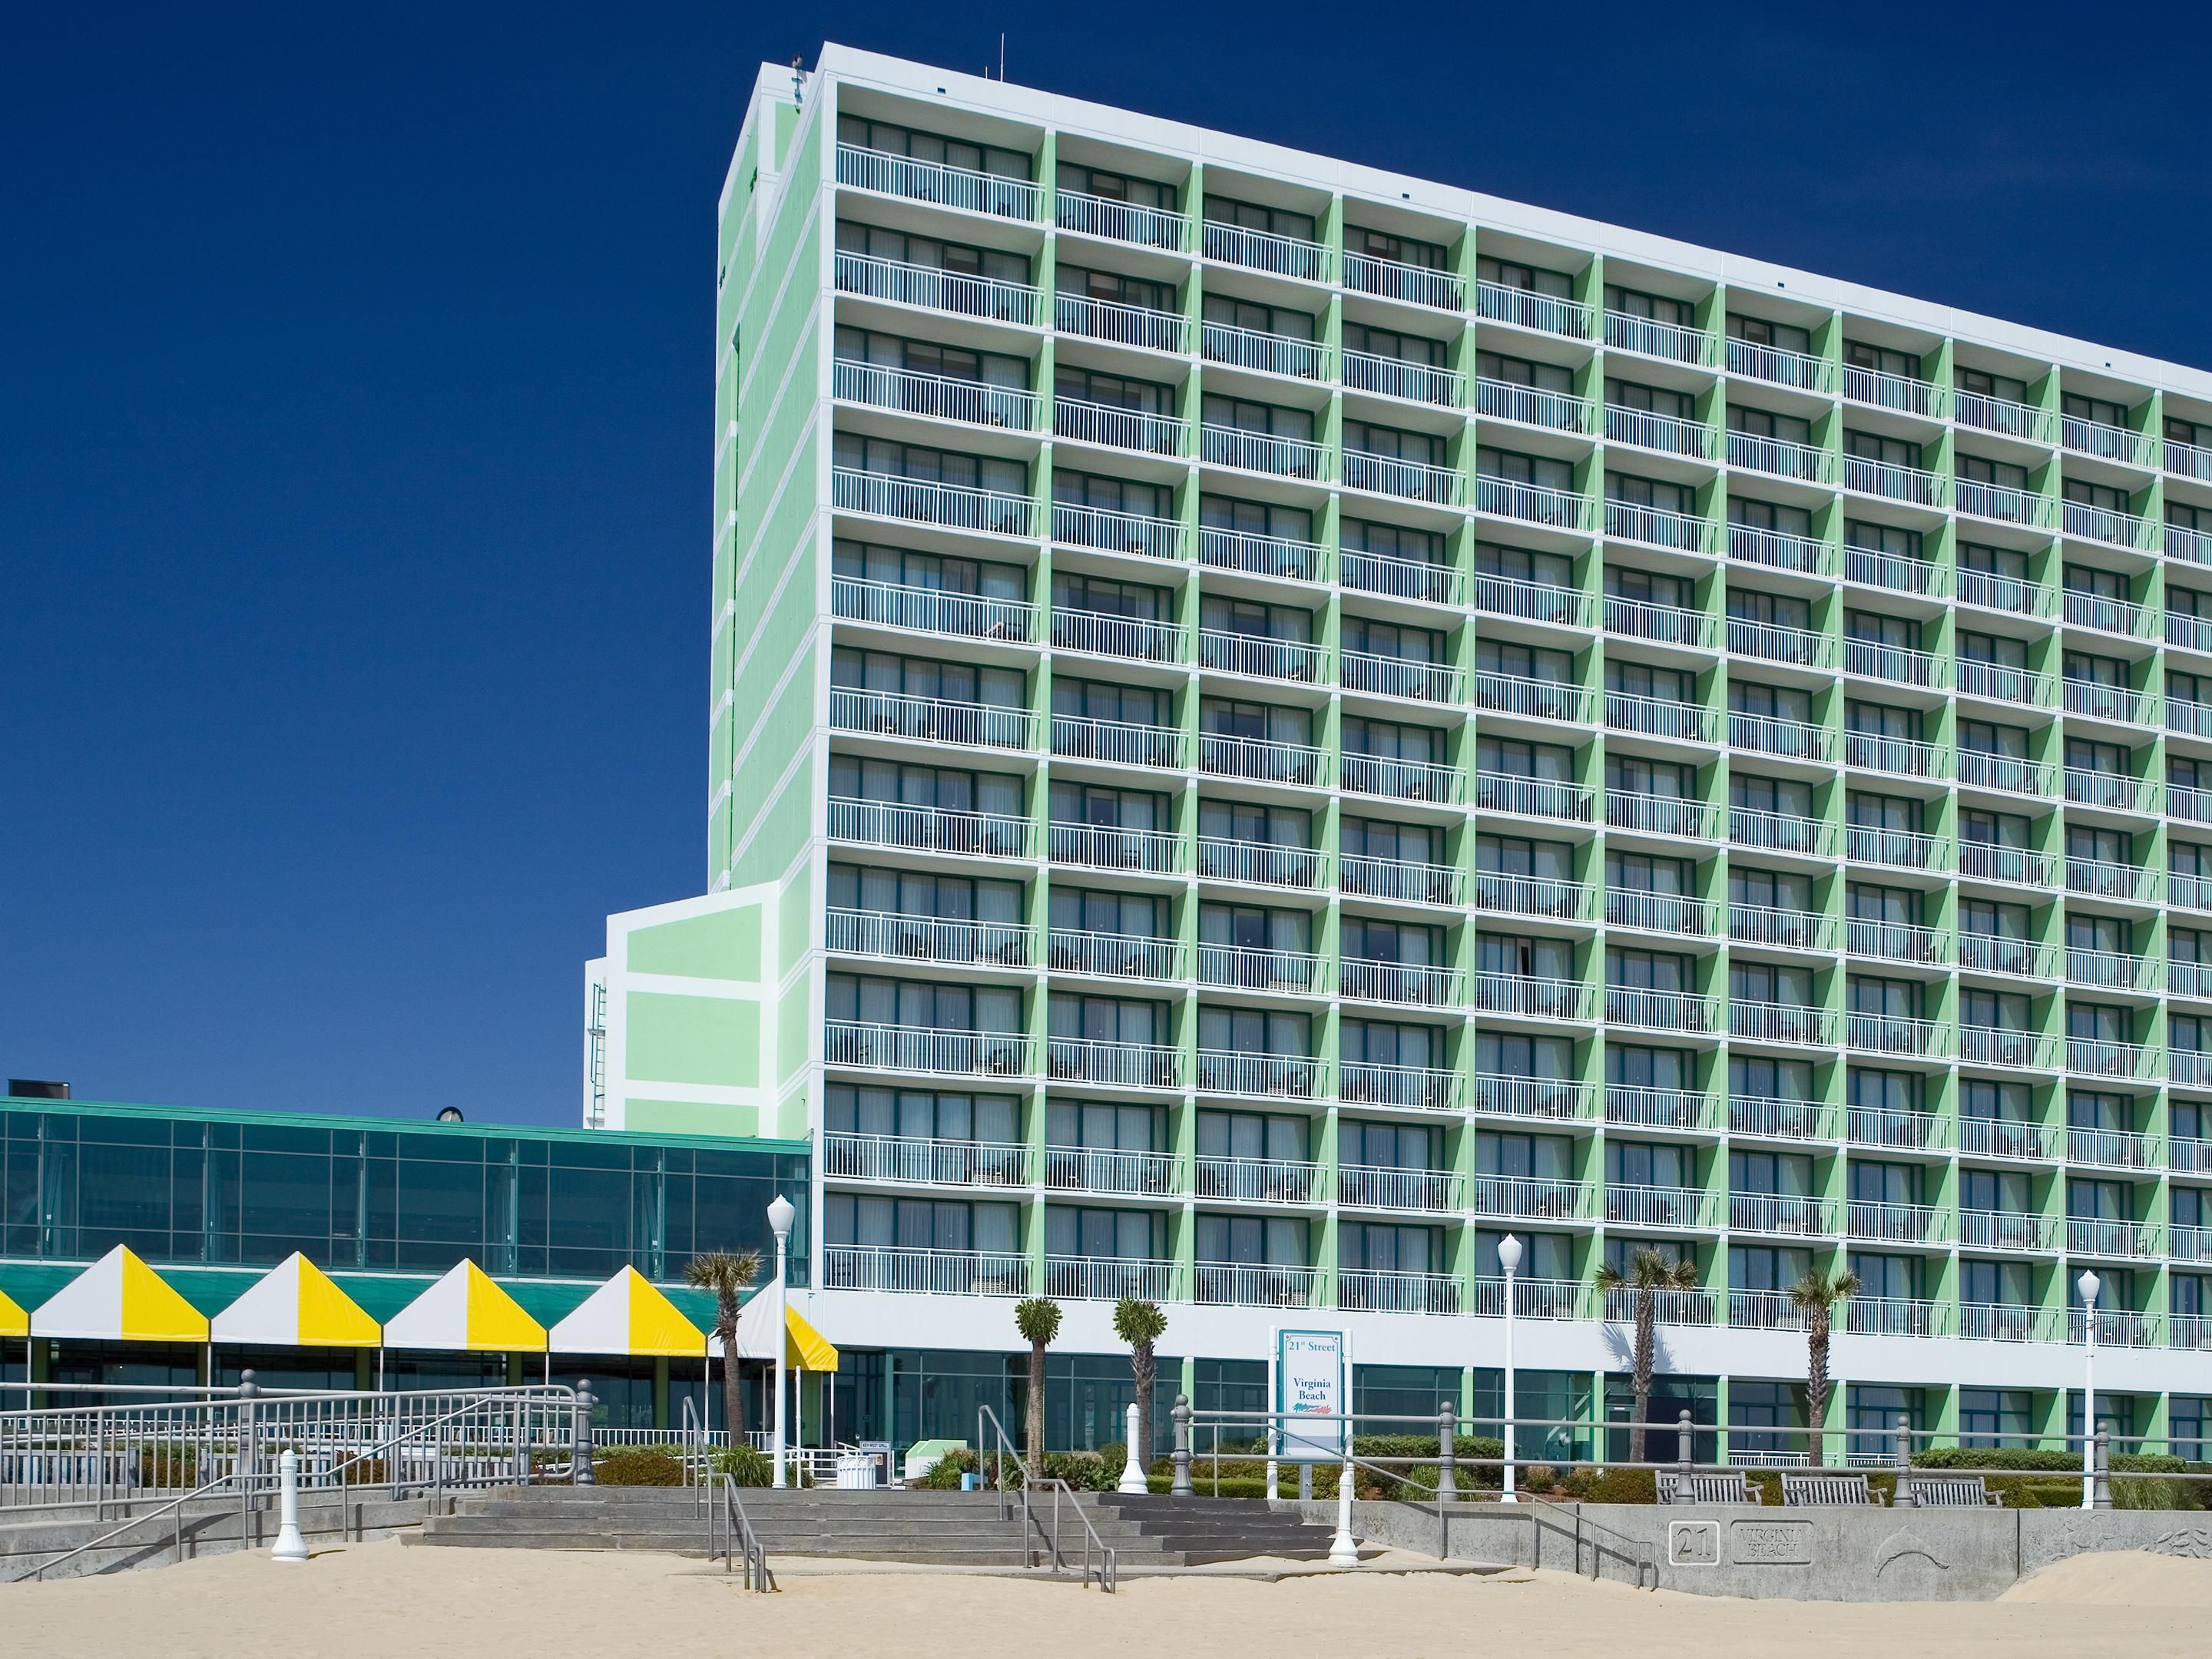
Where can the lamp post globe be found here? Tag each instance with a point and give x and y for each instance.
(2088, 1285)
(780, 1218)
(1509, 1262)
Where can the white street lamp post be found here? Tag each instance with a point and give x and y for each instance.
(780, 1214)
(2088, 1285)
(1509, 1258)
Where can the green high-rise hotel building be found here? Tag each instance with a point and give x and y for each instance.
(1274, 723)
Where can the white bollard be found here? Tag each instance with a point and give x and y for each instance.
(1133, 1471)
(1342, 1552)
(290, 1546)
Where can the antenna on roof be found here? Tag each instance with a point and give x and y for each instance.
(1002, 56)
(798, 83)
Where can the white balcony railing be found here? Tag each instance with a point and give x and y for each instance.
(2108, 443)
(1414, 984)
(1402, 779)
(1118, 427)
(1119, 743)
(1781, 832)
(1896, 664)
(1261, 556)
(1408, 882)
(1666, 624)
(932, 288)
(1666, 433)
(1379, 1292)
(1777, 550)
(1107, 1279)
(928, 939)
(1530, 1199)
(924, 1272)
(1264, 250)
(1509, 498)
(1257, 1284)
(1662, 815)
(1660, 913)
(1122, 324)
(1114, 955)
(1894, 571)
(1374, 1187)
(2011, 775)
(2001, 1045)
(1249, 968)
(1897, 1033)
(1780, 1022)
(945, 397)
(1898, 391)
(1119, 221)
(994, 193)
(1780, 368)
(1780, 1120)
(2131, 1063)
(914, 1161)
(1549, 1099)
(1109, 1171)
(1896, 1316)
(1419, 1088)
(1262, 452)
(2119, 1240)
(2004, 1322)
(1108, 846)
(955, 507)
(1263, 352)
(2001, 683)
(1898, 1224)
(2006, 506)
(2003, 416)
(1262, 760)
(1660, 527)
(1398, 377)
(1122, 1065)
(1257, 1076)
(1555, 411)
(2112, 1149)
(1624, 331)
(1913, 484)
(1104, 634)
(1895, 1131)
(1658, 1206)
(1544, 896)
(1661, 1011)
(1393, 279)
(1547, 313)
(1894, 941)
(1262, 657)
(1412, 481)
(1905, 757)
(1111, 531)
(931, 828)
(1540, 699)
(1806, 462)
(1537, 798)
(2111, 970)
(1789, 739)
(1258, 1179)
(931, 719)
(1645, 1107)
(1402, 579)
(929, 1049)
(1772, 642)
(1400, 676)
(1260, 864)
(2105, 523)
(2019, 866)
(2007, 1230)
(1789, 930)
(2005, 1137)
(1776, 1212)
(1504, 596)
(1530, 997)
(1660, 717)
(933, 610)
(1901, 849)
(2007, 593)
(1667, 1307)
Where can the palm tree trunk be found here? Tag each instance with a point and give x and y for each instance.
(1642, 1375)
(1142, 1364)
(733, 1387)
(1035, 1426)
(1816, 1385)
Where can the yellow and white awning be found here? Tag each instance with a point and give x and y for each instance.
(295, 1306)
(465, 1310)
(805, 1348)
(14, 1322)
(119, 1299)
(627, 1316)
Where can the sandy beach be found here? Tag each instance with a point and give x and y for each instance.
(373, 1601)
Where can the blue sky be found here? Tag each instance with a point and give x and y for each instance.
(354, 435)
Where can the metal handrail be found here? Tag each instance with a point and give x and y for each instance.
(739, 1538)
(1003, 1449)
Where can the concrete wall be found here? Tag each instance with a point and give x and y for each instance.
(1824, 1555)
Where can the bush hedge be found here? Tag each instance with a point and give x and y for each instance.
(638, 1466)
(747, 1466)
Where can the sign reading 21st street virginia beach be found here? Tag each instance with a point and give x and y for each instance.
(1309, 1380)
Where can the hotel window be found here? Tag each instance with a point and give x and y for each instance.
(1148, 193)
(1232, 313)
(931, 147)
(1539, 470)
(922, 1114)
(1766, 423)
(1255, 215)
(1656, 308)
(1995, 1417)
(1982, 384)
(1400, 250)
(1112, 288)
(1771, 516)
(1392, 343)
(875, 242)
(1880, 360)
(1532, 279)
(1091, 386)
(1105, 493)
(1520, 371)
(1759, 331)
(1256, 517)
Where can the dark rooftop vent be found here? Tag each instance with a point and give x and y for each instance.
(36, 1088)
(450, 1115)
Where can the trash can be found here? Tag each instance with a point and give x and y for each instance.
(856, 1472)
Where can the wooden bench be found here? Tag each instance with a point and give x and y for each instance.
(1719, 1487)
(1946, 1492)
(1806, 1491)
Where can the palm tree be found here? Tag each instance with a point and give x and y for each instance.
(1141, 1324)
(1037, 1319)
(1816, 1296)
(726, 1273)
(1649, 1272)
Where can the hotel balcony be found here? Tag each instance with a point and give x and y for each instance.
(1657, 527)
(2118, 1241)
(1263, 250)
(1416, 883)
(931, 719)
(944, 397)
(1779, 368)
(1555, 411)
(1780, 1022)
(2117, 1328)
(2102, 524)
(2189, 632)
(933, 610)
(1897, 1223)
(1246, 968)
(1104, 846)
(1259, 760)
(1260, 864)
(1553, 1100)
(1780, 458)
(914, 501)
(1781, 1120)
(1663, 1011)
(2001, 1321)
(1294, 662)
(1408, 984)
(1538, 699)
(2007, 1229)
(1913, 485)
(1893, 664)
(2127, 883)
(2001, 1137)
(924, 1272)
(2010, 775)
(931, 828)
(1507, 498)
(944, 1051)
(1259, 556)
(2001, 683)
(1896, 1132)
(1402, 579)
(2108, 443)
(1896, 1316)
(1660, 717)
(913, 1161)
(1532, 896)
(1116, 428)
(2020, 506)
(1546, 313)
(1525, 1197)
(1403, 779)
(1261, 1077)
(1109, 1172)
(1376, 1292)
(1119, 221)
(1624, 331)
(1635, 1106)
(1871, 568)
(1897, 392)
(1667, 1307)
(2111, 970)
(933, 288)
(1788, 739)
(1562, 607)
(1664, 624)
(1663, 433)
(1786, 1215)
(1257, 1284)
(1781, 832)
(1371, 1187)
(1264, 353)
(1662, 815)
(2114, 1149)
(1393, 279)
(1118, 324)
(1533, 798)
(1258, 1181)
(2018, 867)
(2121, 1062)
(1764, 1311)
(992, 194)
(1107, 1279)
(928, 939)
(1660, 913)
(1997, 1045)
(1900, 850)
(1262, 452)
(1110, 531)
(1400, 676)
(2110, 703)
(1118, 1064)
(1399, 377)
(1894, 941)
(1412, 481)
(1114, 955)
(1104, 634)
(1903, 757)
(1800, 648)
(1777, 550)
(2004, 418)
(2189, 1244)
(2194, 546)
(2188, 1154)
(1898, 1035)
(1119, 743)
(1414, 1088)
(1532, 998)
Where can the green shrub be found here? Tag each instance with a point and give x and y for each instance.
(746, 1465)
(1540, 1478)
(638, 1466)
(1611, 1485)
(2063, 1491)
